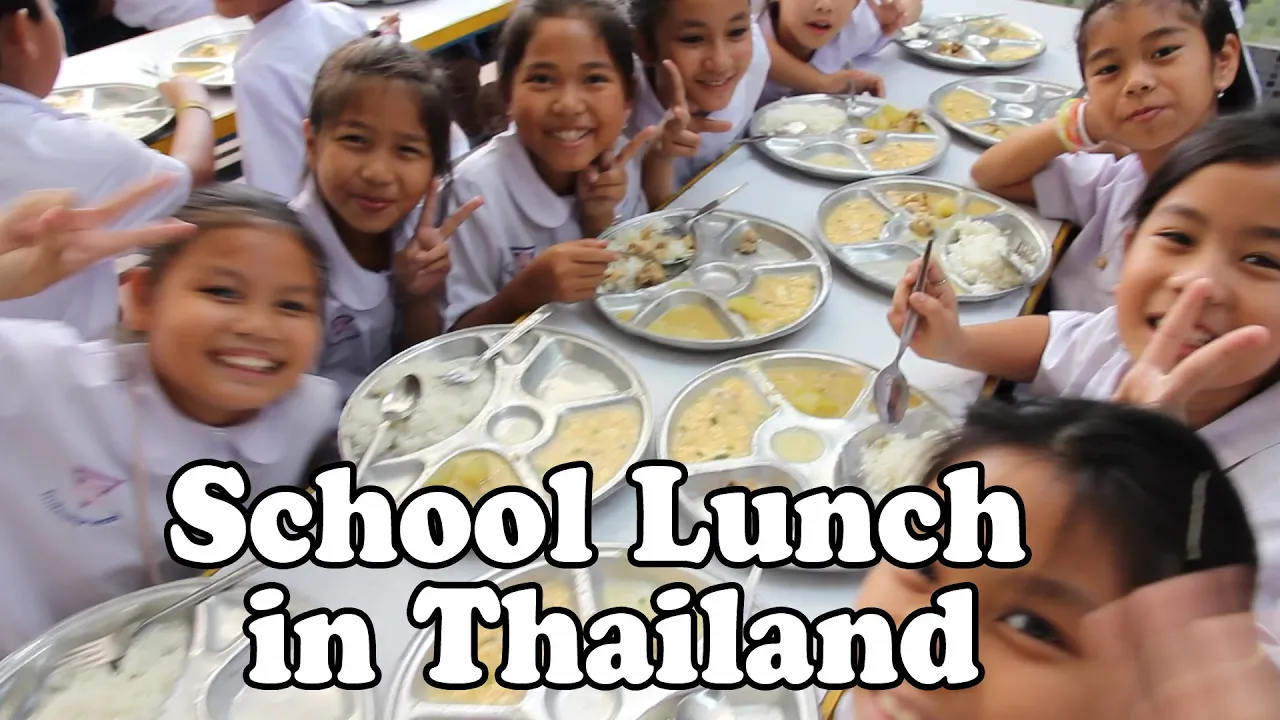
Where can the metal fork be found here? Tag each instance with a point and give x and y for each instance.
(110, 648)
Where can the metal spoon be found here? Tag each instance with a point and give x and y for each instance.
(891, 391)
(396, 406)
(471, 372)
(684, 228)
(789, 130)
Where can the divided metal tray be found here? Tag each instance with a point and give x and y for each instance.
(808, 146)
(135, 110)
(999, 105)
(209, 59)
(878, 248)
(720, 272)
(968, 42)
(549, 383)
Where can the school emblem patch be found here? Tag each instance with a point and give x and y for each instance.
(523, 256)
(343, 328)
(82, 503)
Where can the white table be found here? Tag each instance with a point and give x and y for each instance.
(852, 323)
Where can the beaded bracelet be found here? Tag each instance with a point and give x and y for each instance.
(1070, 126)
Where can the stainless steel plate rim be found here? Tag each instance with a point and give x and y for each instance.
(935, 100)
(939, 135)
(1043, 242)
(401, 702)
(219, 80)
(197, 679)
(817, 258)
(162, 109)
(858, 418)
(473, 435)
(967, 63)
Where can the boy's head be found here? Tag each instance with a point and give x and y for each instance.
(31, 45)
(255, 10)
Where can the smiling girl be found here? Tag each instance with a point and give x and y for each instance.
(92, 432)
(1196, 325)
(1154, 71)
(377, 142)
(560, 175)
(703, 65)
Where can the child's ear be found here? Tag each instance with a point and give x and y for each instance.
(310, 141)
(1226, 63)
(136, 299)
(1128, 238)
(18, 30)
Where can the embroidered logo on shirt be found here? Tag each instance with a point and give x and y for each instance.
(523, 256)
(342, 329)
(88, 488)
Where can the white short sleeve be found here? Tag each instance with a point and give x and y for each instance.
(1068, 188)
(1083, 358)
(476, 254)
(272, 145)
(34, 354)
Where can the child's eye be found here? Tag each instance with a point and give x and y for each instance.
(598, 79)
(1176, 237)
(1107, 70)
(1265, 262)
(1036, 627)
(1167, 50)
(294, 306)
(739, 32)
(539, 79)
(352, 139)
(220, 292)
(411, 150)
(689, 39)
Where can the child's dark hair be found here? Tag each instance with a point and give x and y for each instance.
(1147, 481)
(385, 58)
(646, 15)
(234, 205)
(603, 15)
(1250, 138)
(13, 7)
(1215, 20)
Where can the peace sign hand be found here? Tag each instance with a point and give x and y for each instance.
(58, 240)
(891, 16)
(1172, 369)
(603, 185)
(421, 268)
(681, 130)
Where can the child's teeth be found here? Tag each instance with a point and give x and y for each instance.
(251, 363)
(571, 135)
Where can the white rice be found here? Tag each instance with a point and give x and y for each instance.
(975, 257)
(817, 119)
(136, 691)
(443, 410)
(644, 251)
(895, 460)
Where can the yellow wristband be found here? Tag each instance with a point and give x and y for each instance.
(192, 105)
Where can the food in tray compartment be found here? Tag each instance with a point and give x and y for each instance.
(825, 392)
(894, 119)
(963, 106)
(213, 50)
(831, 159)
(748, 241)
(977, 208)
(952, 48)
(1011, 53)
(798, 445)
(999, 131)
(198, 70)
(131, 125)
(644, 252)
(574, 381)
(895, 460)
(449, 409)
(817, 119)
(134, 691)
(776, 301)
(489, 645)
(604, 438)
(900, 155)
(982, 258)
(866, 137)
(934, 205)
(65, 101)
(475, 473)
(720, 424)
(1002, 31)
(691, 321)
(856, 221)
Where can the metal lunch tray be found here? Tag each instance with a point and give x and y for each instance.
(211, 683)
(796, 151)
(717, 273)
(842, 436)
(519, 375)
(214, 71)
(1011, 103)
(135, 110)
(589, 588)
(882, 261)
(925, 40)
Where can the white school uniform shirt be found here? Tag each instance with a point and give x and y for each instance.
(860, 36)
(46, 149)
(1086, 358)
(650, 111)
(520, 218)
(160, 14)
(70, 536)
(1095, 192)
(360, 308)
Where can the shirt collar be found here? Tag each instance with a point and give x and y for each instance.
(1247, 430)
(531, 193)
(287, 15)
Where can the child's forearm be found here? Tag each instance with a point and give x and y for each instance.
(792, 72)
(419, 320)
(193, 144)
(507, 306)
(1009, 349)
(21, 274)
(1008, 168)
(658, 178)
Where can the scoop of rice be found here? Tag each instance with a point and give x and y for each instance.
(817, 119)
(976, 257)
(895, 460)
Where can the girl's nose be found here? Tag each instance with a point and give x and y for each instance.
(374, 170)
(1211, 268)
(1140, 82)
(255, 322)
(567, 102)
(822, 6)
(719, 60)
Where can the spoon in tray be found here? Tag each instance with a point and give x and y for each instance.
(890, 390)
(471, 372)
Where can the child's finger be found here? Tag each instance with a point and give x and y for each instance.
(158, 233)
(642, 138)
(454, 221)
(432, 255)
(1176, 327)
(427, 220)
(678, 100)
(1194, 373)
(707, 125)
(929, 307)
(877, 86)
(903, 290)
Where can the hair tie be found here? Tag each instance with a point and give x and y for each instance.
(1195, 523)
